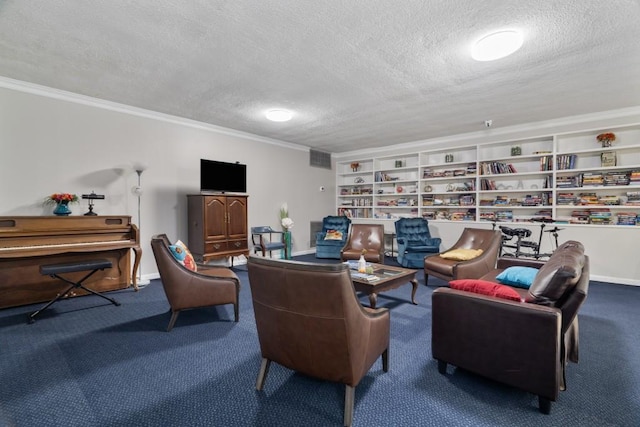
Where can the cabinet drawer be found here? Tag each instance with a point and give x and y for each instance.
(213, 247)
(234, 245)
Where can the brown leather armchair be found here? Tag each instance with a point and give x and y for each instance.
(309, 320)
(471, 238)
(186, 289)
(365, 236)
(525, 344)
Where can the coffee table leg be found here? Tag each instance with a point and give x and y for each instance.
(373, 299)
(414, 283)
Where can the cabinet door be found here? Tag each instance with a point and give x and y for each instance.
(215, 210)
(237, 217)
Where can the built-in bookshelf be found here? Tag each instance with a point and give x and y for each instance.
(564, 178)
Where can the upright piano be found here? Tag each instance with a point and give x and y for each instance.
(27, 242)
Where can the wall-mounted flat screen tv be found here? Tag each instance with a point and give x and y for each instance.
(222, 177)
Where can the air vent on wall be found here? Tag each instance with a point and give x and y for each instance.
(319, 159)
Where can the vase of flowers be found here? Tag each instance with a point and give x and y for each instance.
(287, 224)
(61, 202)
(606, 139)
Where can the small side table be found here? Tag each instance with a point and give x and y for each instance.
(391, 236)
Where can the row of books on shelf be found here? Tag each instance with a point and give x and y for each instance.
(496, 168)
(593, 179)
(632, 198)
(355, 213)
(543, 215)
(356, 190)
(543, 199)
(603, 216)
(356, 202)
(453, 200)
(565, 161)
(456, 215)
(546, 163)
(403, 201)
(469, 170)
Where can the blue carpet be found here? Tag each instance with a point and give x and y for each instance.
(86, 362)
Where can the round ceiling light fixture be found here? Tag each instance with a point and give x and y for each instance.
(496, 45)
(279, 115)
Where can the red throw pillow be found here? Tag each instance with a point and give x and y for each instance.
(485, 287)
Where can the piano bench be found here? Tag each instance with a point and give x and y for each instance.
(55, 270)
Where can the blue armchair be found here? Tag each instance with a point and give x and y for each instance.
(329, 245)
(415, 242)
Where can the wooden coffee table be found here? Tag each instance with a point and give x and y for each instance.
(390, 277)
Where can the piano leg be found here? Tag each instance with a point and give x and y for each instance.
(136, 264)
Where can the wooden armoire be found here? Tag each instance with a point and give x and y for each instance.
(218, 226)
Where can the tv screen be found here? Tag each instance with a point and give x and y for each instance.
(222, 177)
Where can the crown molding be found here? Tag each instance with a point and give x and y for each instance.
(48, 92)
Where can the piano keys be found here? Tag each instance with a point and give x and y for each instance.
(26, 242)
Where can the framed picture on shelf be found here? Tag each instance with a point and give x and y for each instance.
(608, 158)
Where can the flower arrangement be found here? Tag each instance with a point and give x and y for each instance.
(606, 138)
(64, 198)
(285, 221)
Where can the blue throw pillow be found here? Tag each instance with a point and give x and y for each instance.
(520, 277)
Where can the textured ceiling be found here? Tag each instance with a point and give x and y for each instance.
(358, 74)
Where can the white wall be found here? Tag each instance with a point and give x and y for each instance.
(67, 143)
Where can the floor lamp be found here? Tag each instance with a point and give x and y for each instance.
(137, 191)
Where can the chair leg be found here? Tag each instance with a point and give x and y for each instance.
(544, 405)
(426, 279)
(174, 317)
(236, 311)
(349, 399)
(262, 375)
(442, 367)
(385, 360)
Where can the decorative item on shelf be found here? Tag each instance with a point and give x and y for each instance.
(428, 189)
(399, 189)
(399, 163)
(287, 224)
(606, 139)
(358, 180)
(608, 159)
(448, 158)
(355, 166)
(91, 197)
(61, 200)
(516, 150)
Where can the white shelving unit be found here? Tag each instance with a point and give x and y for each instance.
(557, 177)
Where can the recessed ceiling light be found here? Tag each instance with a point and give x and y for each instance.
(279, 115)
(496, 45)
